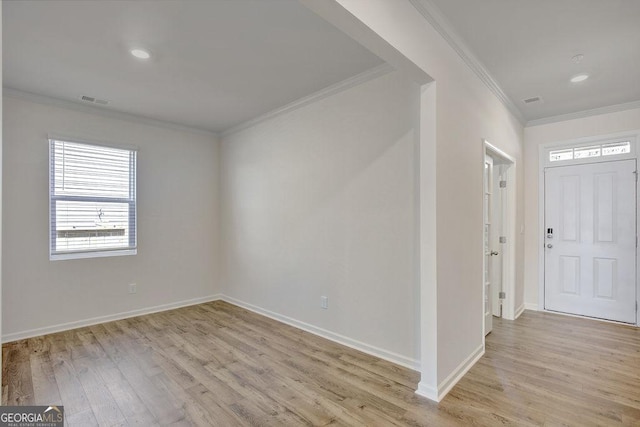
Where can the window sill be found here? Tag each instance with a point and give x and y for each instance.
(97, 254)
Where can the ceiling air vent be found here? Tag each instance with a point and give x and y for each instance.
(94, 100)
(532, 100)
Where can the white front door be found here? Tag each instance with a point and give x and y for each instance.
(488, 184)
(590, 240)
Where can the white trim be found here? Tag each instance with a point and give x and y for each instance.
(398, 359)
(356, 80)
(445, 386)
(435, 17)
(631, 137)
(340, 339)
(428, 233)
(103, 111)
(120, 145)
(452, 379)
(92, 254)
(542, 155)
(427, 391)
(486, 207)
(531, 306)
(633, 133)
(585, 113)
(520, 310)
(103, 319)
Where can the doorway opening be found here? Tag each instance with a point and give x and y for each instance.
(498, 278)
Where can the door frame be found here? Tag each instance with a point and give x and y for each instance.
(543, 163)
(509, 225)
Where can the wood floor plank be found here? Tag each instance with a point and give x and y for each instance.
(45, 386)
(163, 408)
(191, 412)
(74, 398)
(217, 364)
(18, 374)
(131, 406)
(5, 373)
(218, 408)
(104, 406)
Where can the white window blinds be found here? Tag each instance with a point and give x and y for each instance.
(92, 199)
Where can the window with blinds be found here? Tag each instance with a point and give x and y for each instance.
(92, 195)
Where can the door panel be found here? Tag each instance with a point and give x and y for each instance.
(569, 207)
(605, 277)
(590, 246)
(605, 212)
(488, 184)
(498, 216)
(570, 275)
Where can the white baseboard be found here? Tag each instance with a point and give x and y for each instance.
(398, 359)
(427, 391)
(452, 379)
(103, 319)
(531, 306)
(519, 311)
(340, 339)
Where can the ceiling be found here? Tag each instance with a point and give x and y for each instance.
(527, 47)
(214, 64)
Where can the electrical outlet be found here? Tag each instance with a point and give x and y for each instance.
(324, 302)
(133, 288)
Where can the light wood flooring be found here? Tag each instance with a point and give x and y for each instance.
(218, 365)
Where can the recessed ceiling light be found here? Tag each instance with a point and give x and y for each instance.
(140, 53)
(579, 78)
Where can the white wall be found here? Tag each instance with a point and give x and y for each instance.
(292, 224)
(466, 112)
(535, 136)
(178, 208)
(322, 201)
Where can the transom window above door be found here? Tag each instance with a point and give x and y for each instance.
(590, 151)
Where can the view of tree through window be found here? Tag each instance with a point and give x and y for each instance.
(93, 198)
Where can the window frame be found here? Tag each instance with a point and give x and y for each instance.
(586, 143)
(131, 201)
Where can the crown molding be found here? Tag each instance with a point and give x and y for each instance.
(437, 20)
(356, 80)
(114, 114)
(585, 113)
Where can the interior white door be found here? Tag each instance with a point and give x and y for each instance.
(590, 240)
(497, 229)
(488, 184)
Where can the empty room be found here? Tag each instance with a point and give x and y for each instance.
(313, 212)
